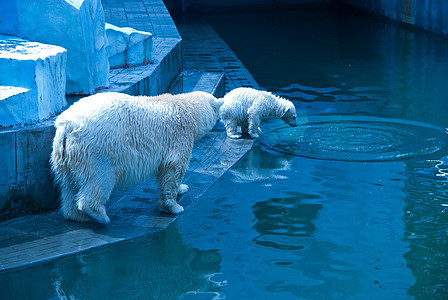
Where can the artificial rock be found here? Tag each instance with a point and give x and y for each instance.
(32, 80)
(76, 25)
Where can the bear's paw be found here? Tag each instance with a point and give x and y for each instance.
(97, 215)
(183, 188)
(234, 136)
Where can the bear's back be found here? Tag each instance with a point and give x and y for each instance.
(238, 102)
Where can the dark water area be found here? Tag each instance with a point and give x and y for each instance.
(351, 204)
(340, 62)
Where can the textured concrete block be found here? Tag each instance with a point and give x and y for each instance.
(33, 75)
(76, 25)
(128, 47)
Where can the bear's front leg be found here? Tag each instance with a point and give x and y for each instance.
(168, 184)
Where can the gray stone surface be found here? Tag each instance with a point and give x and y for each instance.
(146, 15)
(25, 182)
(204, 50)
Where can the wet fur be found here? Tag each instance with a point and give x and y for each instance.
(246, 107)
(113, 139)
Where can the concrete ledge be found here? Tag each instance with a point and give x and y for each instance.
(128, 46)
(210, 82)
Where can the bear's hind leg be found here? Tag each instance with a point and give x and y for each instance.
(231, 129)
(93, 195)
(68, 204)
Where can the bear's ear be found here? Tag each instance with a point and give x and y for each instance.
(285, 111)
(219, 102)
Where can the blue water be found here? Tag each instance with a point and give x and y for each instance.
(351, 204)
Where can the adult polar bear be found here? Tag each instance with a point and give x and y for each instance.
(246, 107)
(113, 139)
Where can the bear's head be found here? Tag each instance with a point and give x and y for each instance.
(290, 115)
(205, 108)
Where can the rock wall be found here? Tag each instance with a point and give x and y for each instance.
(199, 4)
(431, 15)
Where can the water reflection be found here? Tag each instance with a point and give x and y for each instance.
(426, 219)
(261, 165)
(160, 266)
(333, 230)
(340, 63)
(282, 222)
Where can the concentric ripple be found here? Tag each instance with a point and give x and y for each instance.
(357, 139)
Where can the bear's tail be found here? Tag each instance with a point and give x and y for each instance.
(58, 155)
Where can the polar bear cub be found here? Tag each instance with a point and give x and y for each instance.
(113, 139)
(246, 107)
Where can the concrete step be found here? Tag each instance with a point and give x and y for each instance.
(195, 80)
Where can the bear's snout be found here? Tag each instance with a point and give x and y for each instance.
(293, 123)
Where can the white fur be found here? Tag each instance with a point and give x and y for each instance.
(246, 107)
(113, 139)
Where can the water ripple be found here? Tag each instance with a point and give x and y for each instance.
(361, 139)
